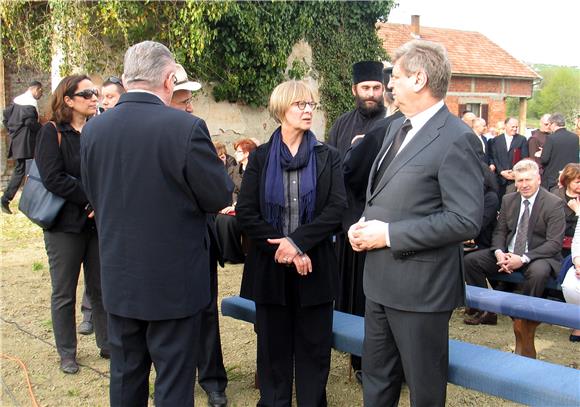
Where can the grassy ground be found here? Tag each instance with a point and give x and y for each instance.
(26, 334)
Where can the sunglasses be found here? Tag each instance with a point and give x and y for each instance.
(87, 93)
(115, 80)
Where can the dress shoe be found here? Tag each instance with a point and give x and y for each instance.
(105, 353)
(574, 338)
(358, 376)
(6, 207)
(471, 311)
(85, 328)
(483, 318)
(217, 399)
(69, 365)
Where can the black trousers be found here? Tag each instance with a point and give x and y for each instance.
(482, 264)
(170, 345)
(212, 374)
(66, 252)
(401, 344)
(293, 341)
(15, 180)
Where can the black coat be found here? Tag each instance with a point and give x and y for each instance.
(264, 280)
(60, 170)
(502, 158)
(152, 175)
(22, 124)
(357, 165)
(561, 148)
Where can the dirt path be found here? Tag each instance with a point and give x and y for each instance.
(26, 333)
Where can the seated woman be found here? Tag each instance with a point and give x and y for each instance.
(571, 279)
(222, 153)
(569, 190)
(228, 232)
(290, 204)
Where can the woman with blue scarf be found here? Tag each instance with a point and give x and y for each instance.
(290, 204)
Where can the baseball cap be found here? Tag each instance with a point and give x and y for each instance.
(183, 83)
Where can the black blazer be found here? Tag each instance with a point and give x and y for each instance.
(545, 230)
(152, 175)
(356, 168)
(561, 148)
(60, 171)
(501, 157)
(264, 280)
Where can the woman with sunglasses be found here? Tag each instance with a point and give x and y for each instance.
(72, 240)
(290, 204)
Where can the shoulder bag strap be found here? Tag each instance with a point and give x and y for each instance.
(58, 134)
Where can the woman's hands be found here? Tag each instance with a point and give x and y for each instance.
(287, 254)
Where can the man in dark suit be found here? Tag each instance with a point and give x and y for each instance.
(527, 239)
(561, 148)
(504, 151)
(418, 213)
(152, 176)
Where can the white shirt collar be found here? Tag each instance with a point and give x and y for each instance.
(419, 120)
(532, 199)
(26, 99)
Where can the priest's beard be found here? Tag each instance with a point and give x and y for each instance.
(374, 109)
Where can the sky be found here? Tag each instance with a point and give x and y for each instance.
(533, 31)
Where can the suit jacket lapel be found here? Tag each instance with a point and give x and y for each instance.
(536, 210)
(388, 139)
(428, 133)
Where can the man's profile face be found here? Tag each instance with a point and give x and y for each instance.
(527, 182)
(511, 127)
(479, 127)
(110, 96)
(182, 100)
(36, 92)
(369, 96)
(468, 118)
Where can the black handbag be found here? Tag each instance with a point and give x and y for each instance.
(39, 204)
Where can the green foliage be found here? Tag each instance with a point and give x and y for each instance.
(37, 266)
(558, 92)
(240, 47)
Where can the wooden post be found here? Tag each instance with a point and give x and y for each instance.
(523, 115)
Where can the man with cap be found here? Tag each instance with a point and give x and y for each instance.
(367, 88)
(212, 376)
(21, 121)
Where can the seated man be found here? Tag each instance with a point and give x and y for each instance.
(526, 239)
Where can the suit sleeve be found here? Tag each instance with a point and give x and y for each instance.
(359, 159)
(501, 230)
(555, 220)
(205, 172)
(329, 219)
(460, 181)
(546, 152)
(525, 149)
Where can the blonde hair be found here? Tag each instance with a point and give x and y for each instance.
(285, 94)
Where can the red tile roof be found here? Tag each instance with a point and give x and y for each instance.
(470, 53)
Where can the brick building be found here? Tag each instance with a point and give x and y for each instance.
(483, 74)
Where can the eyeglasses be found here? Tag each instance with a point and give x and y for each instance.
(87, 93)
(302, 104)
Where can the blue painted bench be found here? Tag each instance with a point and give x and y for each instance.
(502, 374)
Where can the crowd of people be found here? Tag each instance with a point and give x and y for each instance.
(376, 223)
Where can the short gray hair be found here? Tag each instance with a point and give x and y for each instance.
(430, 57)
(558, 119)
(526, 165)
(147, 62)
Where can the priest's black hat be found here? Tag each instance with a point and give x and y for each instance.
(367, 71)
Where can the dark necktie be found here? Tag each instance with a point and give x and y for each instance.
(393, 149)
(522, 235)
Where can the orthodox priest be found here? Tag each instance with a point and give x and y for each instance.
(367, 88)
